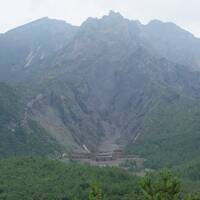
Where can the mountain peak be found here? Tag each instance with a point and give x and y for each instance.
(41, 23)
(169, 27)
(157, 22)
(108, 20)
(114, 14)
(43, 19)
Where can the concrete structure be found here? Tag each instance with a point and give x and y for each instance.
(98, 157)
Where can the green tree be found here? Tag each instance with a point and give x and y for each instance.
(193, 197)
(164, 187)
(95, 192)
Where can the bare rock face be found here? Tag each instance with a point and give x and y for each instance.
(95, 86)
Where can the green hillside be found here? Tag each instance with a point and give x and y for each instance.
(170, 136)
(16, 138)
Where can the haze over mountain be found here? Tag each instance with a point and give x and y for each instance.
(110, 82)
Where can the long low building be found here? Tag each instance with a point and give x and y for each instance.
(98, 157)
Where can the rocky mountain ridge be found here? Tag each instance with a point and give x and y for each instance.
(97, 85)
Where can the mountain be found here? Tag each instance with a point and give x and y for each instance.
(29, 44)
(110, 83)
(170, 41)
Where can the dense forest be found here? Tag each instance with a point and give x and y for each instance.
(40, 179)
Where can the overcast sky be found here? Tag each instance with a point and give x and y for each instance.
(185, 13)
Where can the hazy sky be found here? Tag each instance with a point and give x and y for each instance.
(185, 13)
